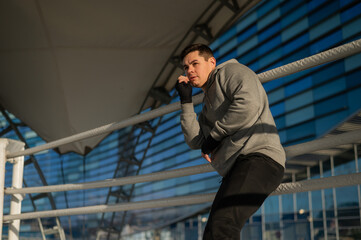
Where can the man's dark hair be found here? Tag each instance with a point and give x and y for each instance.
(203, 49)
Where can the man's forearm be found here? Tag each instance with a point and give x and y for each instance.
(190, 127)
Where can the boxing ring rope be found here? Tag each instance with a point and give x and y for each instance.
(291, 151)
(291, 68)
(285, 188)
(302, 186)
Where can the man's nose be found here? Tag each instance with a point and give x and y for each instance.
(190, 70)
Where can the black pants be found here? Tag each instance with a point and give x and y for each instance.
(252, 178)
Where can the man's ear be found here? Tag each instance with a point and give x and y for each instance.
(213, 61)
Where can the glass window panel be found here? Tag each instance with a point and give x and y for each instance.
(298, 86)
(283, 135)
(276, 95)
(326, 123)
(326, 42)
(299, 100)
(270, 57)
(290, 18)
(254, 66)
(216, 55)
(298, 75)
(230, 55)
(351, 28)
(329, 202)
(248, 57)
(174, 124)
(280, 121)
(300, 54)
(271, 206)
(350, 13)
(302, 203)
(345, 2)
(352, 63)
(246, 21)
(273, 29)
(278, 109)
(293, 30)
(228, 46)
(300, 131)
(215, 44)
(269, 45)
(315, 3)
(329, 89)
(323, 12)
(269, 18)
(268, 86)
(266, 7)
(287, 203)
(325, 26)
(297, 43)
(247, 34)
(288, 6)
(324, 74)
(354, 101)
(300, 116)
(330, 105)
(227, 35)
(244, 47)
(316, 201)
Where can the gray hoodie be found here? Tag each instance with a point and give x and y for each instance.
(235, 112)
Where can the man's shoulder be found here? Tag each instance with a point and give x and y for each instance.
(229, 64)
(233, 67)
(232, 73)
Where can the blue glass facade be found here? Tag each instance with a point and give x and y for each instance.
(279, 32)
(305, 106)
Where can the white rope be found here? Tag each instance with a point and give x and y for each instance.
(312, 61)
(291, 151)
(285, 188)
(318, 184)
(157, 176)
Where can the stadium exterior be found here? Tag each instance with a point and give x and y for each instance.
(306, 106)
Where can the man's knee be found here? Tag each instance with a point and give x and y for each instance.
(222, 228)
(224, 224)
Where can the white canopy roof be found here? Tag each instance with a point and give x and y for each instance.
(70, 66)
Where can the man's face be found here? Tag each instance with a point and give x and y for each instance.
(197, 69)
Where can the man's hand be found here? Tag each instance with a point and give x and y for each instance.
(209, 145)
(184, 89)
(206, 157)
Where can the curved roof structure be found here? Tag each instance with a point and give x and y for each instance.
(70, 66)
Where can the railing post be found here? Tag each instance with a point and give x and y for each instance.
(10, 146)
(3, 144)
(16, 199)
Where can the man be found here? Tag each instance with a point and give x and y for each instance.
(236, 133)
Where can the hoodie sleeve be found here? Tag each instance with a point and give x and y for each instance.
(240, 85)
(190, 126)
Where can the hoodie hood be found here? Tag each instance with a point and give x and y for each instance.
(215, 70)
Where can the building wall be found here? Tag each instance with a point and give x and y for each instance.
(307, 104)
